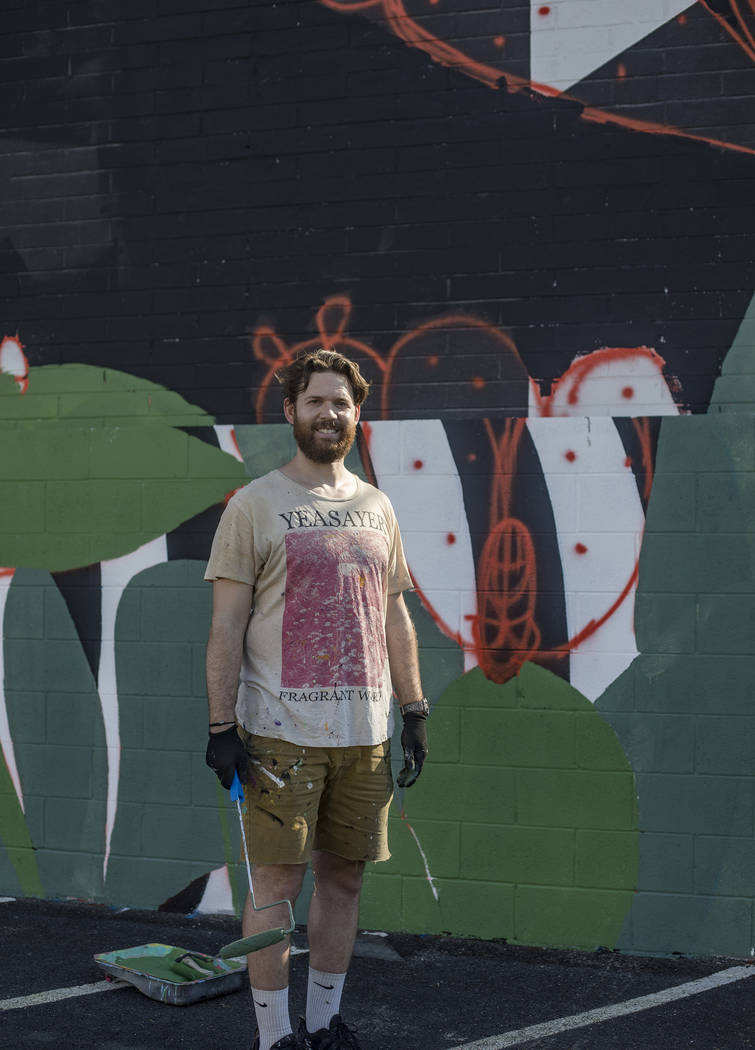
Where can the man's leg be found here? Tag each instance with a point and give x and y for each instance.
(268, 968)
(331, 929)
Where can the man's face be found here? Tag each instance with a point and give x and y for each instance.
(324, 417)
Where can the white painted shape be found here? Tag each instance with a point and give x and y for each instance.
(577, 37)
(427, 445)
(12, 358)
(116, 574)
(604, 568)
(602, 392)
(6, 739)
(227, 440)
(384, 440)
(616, 524)
(429, 505)
(612, 635)
(607, 1013)
(217, 898)
(594, 490)
(428, 501)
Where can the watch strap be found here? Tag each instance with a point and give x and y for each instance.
(418, 707)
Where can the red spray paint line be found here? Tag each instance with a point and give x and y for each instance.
(446, 55)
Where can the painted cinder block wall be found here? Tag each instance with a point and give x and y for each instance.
(533, 228)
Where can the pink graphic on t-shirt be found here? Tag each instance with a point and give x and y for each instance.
(333, 624)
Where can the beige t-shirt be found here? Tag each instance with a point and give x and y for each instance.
(315, 665)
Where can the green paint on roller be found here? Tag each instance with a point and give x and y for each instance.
(174, 965)
(252, 944)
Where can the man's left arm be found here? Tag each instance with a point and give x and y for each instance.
(403, 658)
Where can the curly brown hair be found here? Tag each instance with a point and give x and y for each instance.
(295, 376)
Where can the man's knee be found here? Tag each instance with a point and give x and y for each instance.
(277, 881)
(336, 875)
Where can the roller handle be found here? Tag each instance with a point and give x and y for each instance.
(237, 792)
(252, 944)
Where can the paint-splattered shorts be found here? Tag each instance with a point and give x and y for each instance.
(326, 798)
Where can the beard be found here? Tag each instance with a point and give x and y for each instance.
(319, 450)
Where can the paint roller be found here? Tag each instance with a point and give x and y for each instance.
(267, 937)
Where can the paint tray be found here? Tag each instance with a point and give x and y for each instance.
(166, 973)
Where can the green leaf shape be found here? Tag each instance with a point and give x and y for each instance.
(73, 495)
(15, 837)
(527, 813)
(85, 393)
(56, 723)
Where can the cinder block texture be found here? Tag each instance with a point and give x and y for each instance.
(533, 231)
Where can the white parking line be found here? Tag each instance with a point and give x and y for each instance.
(54, 995)
(607, 1013)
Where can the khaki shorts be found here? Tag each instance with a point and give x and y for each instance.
(329, 798)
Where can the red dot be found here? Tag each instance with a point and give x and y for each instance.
(627, 392)
(433, 361)
(478, 382)
(544, 11)
(450, 539)
(580, 548)
(621, 71)
(570, 455)
(471, 457)
(418, 464)
(499, 41)
(628, 461)
(682, 19)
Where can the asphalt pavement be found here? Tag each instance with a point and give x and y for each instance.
(404, 991)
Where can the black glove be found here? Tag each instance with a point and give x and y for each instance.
(226, 755)
(414, 743)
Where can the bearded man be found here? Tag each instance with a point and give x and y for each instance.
(310, 637)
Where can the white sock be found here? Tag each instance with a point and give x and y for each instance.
(323, 998)
(273, 1020)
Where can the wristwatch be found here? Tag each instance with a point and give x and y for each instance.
(417, 707)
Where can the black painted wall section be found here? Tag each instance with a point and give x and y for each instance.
(183, 186)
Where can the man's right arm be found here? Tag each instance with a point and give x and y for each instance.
(231, 606)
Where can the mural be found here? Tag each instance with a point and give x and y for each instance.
(567, 48)
(532, 227)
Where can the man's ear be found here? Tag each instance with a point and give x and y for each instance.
(357, 413)
(288, 409)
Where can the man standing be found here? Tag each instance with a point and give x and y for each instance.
(308, 569)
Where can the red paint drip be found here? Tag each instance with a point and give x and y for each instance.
(580, 548)
(627, 392)
(628, 462)
(544, 11)
(499, 41)
(450, 539)
(621, 71)
(418, 464)
(471, 457)
(478, 382)
(433, 361)
(570, 455)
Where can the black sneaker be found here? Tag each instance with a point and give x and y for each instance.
(288, 1042)
(337, 1036)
